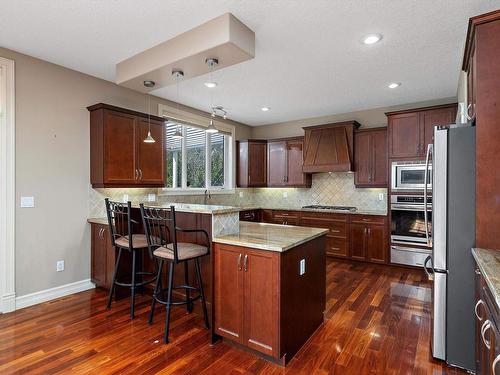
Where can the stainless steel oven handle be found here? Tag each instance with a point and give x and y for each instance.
(426, 174)
(403, 207)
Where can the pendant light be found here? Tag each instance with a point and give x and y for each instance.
(177, 74)
(149, 138)
(211, 127)
(211, 62)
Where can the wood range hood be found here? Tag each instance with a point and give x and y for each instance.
(329, 148)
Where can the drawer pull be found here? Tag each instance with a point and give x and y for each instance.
(367, 219)
(335, 248)
(494, 364)
(478, 303)
(239, 262)
(334, 231)
(486, 326)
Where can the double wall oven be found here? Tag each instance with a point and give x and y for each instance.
(411, 212)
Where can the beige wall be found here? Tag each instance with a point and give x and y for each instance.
(52, 164)
(368, 119)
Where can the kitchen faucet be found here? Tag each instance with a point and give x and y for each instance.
(207, 196)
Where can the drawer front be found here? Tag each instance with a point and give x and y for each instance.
(286, 213)
(337, 228)
(322, 217)
(285, 220)
(407, 256)
(337, 247)
(369, 219)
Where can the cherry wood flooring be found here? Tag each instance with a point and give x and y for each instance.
(377, 322)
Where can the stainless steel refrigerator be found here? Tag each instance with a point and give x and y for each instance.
(452, 236)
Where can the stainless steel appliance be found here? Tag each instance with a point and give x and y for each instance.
(408, 229)
(408, 176)
(331, 208)
(451, 265)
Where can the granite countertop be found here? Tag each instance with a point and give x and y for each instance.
(98, 220)
(358, 212)
(488, 262)
(194, 208)
(272, 237)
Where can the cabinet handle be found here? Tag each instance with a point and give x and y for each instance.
(477, 272)
(478, 303)
(239, 262)
(140, 174)
(101, 233)
(335, 248)
(486, 326)
(245, 263)
(369, 231)
(249, 178)
(469, 116)
(334, 231)
(418, 149)
(136, 174)
(494, 364)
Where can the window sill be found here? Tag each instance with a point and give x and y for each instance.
(166, 192)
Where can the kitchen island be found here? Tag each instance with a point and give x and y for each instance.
(269, 285)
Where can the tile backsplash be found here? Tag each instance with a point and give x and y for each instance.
(327, 189)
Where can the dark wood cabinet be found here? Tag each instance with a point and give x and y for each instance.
(369, 239)
(251, 163)
(411, 131)
(284, 163)
(250, 215)
(337, 239)
(102, 256)
(329, 148)
(247, 297)
(371, 158)
(282, 217)
(118, 155)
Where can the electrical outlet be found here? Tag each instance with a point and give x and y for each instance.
(151, 197)
(241, 194)
(381, 196)
(125, 198)
(60, 265)
(302, 267)
(285, 194)
(27, 202)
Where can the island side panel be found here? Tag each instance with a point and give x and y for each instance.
(303, 297)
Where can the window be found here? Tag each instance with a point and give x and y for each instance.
(199, 160)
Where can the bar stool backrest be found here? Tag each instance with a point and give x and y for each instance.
(160, 227)
(120, 224)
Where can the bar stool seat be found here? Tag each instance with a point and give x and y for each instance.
(139, 241)
(185, 251)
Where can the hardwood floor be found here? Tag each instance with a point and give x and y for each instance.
(377, 322)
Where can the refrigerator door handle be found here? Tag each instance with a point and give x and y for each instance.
(426, 269)
(426, 182)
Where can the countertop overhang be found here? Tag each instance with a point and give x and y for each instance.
(272, 237)
(488, 262)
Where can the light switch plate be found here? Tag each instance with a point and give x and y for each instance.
(241, 194)
(380, 196)
(151, 197)
(60, 265)
(125, 198)
(302, 267)
(27, 202)
(285, 194)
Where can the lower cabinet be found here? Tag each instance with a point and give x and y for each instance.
(102, 256)
(247, 298)
(337, 239)
(487, 329)
(250, 215)
(369, 238)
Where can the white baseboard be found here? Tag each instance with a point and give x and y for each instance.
(53, 293)
(8, 303)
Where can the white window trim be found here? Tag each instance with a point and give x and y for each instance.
(229, 157)
(7, 191)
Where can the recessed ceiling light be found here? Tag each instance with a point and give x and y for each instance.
(393, 85)
(210, 85)
(265, 109)
(372, 38)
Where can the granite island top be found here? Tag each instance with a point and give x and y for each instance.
(488, 262)
(272, 237)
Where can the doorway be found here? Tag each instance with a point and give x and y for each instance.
(7, 186)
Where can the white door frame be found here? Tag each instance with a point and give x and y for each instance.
(7, 190)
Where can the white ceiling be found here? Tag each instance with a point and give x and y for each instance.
(309, 60)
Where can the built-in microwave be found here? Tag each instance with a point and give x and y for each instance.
(410, 176)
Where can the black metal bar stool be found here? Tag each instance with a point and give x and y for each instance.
(124, 239)
(161, 232)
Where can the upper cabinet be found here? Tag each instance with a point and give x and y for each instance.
(411, 131)
(284, 163)
(329, 148)
(371, 158)
(251, 163)
(118, 155)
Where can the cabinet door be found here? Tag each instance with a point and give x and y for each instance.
(358, 240)
(404, 135)
(429, 119)
(257, 164)
(363, 158)
(379, 175)
(261, 285)
(119, 148)
(276, 163)
(98, 254)
(337, 246)
(295, 160)
(228, 291)
(150, 156)
(376, 247)
(242, 164)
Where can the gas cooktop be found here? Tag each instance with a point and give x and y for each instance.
(332, 208)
